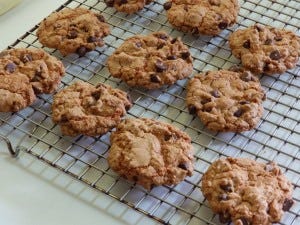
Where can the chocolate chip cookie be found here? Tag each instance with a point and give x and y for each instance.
(150, 152)
(151, 61)
(73, 30)
(208, 17)
(127, 6)
(265, 49)
(16, 92)
(90, 110)
(247, 192)
(43, 70)
(226, 100)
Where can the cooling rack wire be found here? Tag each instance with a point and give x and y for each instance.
(276, 138)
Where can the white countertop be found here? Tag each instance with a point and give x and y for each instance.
(33, 193)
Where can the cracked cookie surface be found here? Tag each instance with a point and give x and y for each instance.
(207, 17)
(226, 100)
(16, 92)
(76, 30)
(151, 61)
(128, 6)
(43, 70)
(91, 110)
(150, 152)
(247, 192)
(265, 49)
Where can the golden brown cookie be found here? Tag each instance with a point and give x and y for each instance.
(247, 192)
(208, 17)
(73, 30)
(151, 61)
(150, 152)
(265, 49)
(90, 110)
(226, 100)
(16, 92)
(43, 70)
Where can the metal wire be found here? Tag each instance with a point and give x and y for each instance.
(276, 138)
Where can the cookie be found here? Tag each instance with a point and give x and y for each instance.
(151, 61)
(127, 6)
(247, 192)
(43, 70)
(73, 30)
(265, 49)
(207, 17)
(16, 92)
(91, 110)
(226, 100)
(150, 152)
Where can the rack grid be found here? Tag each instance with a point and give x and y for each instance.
(276, 138)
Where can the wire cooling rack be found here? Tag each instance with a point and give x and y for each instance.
(276, 138)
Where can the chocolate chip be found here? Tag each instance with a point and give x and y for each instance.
(246, 44)
(185, 8)
(154, 78)
(226, 187)
(172, 57)
(269, 167)
(192, 109)
(208, 108)
(185, 55)
(138, 44)
(161, 45)
(96, 95)
(162, 36)
(81, 51)
(72, 34)
(222, 25)
(238, 113)
(287, 204)
(122, 2)
(224, 217)
(246, 76)
(101, 18)
(26, 58)
(160, 66)
(127, 107)
(63, 119)
(167, 137)
(215, 93)
(167, 5)
(266, 67)
(264, 96)
(206, 100)
(275, 55)
(244, 102)
(223, 197)
(244, 221)
(235, 68)
(278, 38)
(135, 178)
(259, 27)
(109, 3)
(11, 67)
(183, 166)
(214, 2)
(92, 39)
(173, 41)
(269, 41)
